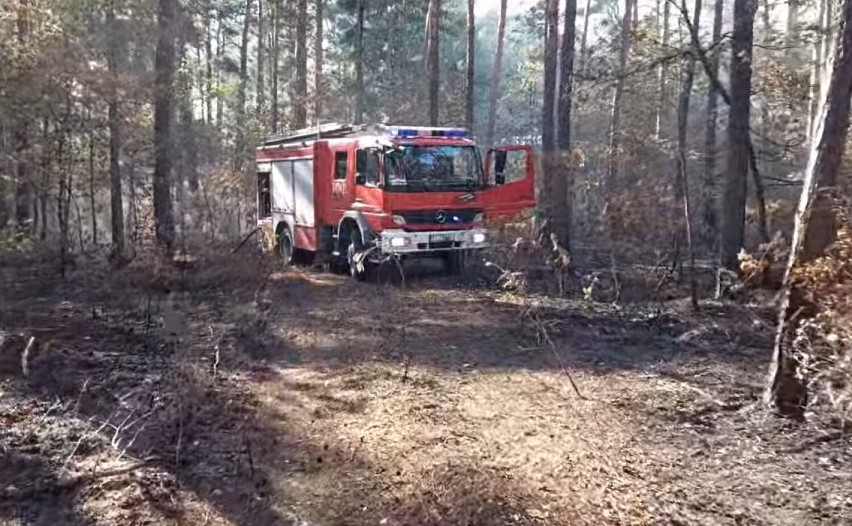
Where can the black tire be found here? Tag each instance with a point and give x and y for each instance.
(286, 249)
(356, 245)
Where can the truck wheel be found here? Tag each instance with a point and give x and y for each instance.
(285, 246)
(355, 246)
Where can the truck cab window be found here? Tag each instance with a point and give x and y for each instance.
(341, 162)
(264, 198)
(368, 168)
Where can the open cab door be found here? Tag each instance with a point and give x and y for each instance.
(510, 172)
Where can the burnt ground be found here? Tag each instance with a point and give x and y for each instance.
(234, 393)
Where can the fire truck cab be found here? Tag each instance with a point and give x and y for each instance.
(362, 195)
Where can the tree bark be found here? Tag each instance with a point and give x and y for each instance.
(319, 58)
(300, 112)
(433, 65)
(709, 203)
(663, 74)
(615, 120)
(208, 66)
(261, 57)
(563, 185)
(471, 66)
(163, 89)
(46, 157)
(551, 51)
(94, 216)
(548, 117)
(114, 125)
(496, 74)
(817, 70)
(275, 111)
(735, 184)
(359, 65)
(682, 180)
(583, 66)
(242, 85)
(815, 232)
(792, 25)
(21, 136)
(220, 55)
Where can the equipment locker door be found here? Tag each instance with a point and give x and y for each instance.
(510, 171)
(283, 200)
(303, 191)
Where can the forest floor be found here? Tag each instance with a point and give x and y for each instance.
(248, 395)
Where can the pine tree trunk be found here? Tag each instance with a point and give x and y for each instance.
(563, 185)
(242, 85)
(583, 66)
(816, 229)
(21, 136)
(817, 70)
(261, 56)
(163, 89)
(359, 65)
(275, 111)
(319, 58)
(433, 59)
(709, 202)
(46, 157)
(92, 205)
(663, 74)
(792, 26)
(114, 125)
(548, 117)
(220, 56)
(300, 112)
(681, 175)
(496, 75)
(615, 120)
(551, 55)
(471, 66)
(208, 66)
(736, 176)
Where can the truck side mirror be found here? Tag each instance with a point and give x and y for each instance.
(500, 158)
(360, 161)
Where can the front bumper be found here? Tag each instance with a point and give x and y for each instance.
(397, 241)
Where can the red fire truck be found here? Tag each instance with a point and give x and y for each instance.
(360, 195)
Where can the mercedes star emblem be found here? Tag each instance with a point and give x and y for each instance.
(441, 216)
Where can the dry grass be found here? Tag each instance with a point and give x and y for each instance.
(343, 403)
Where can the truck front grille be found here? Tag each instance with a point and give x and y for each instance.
(439, 216)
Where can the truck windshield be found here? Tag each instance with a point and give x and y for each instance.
(411, 168)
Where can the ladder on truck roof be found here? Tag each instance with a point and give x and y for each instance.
(325, 131)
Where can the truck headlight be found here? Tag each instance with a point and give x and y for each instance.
(478, 238)
(398, 220)
(479, 218)
(399, 242)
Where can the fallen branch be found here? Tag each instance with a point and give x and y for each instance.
(543, 335)
(245, 240)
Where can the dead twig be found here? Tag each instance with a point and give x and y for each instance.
(615, 282)
(543, 336)
(216, 355)
(25, 357)
(180, 434)
(80, 397)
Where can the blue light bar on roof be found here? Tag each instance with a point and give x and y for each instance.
(422, 131)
